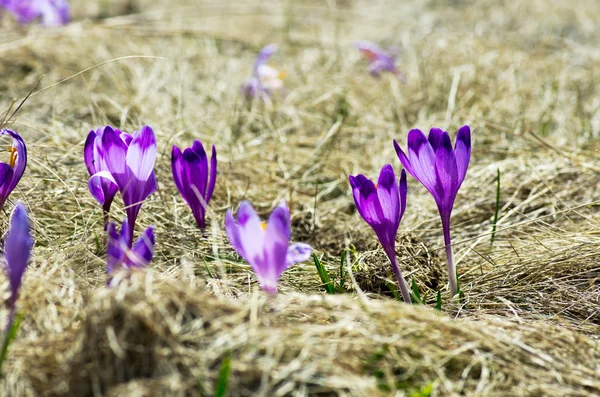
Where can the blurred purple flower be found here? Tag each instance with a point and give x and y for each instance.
(265, 80)
(11, 173)
(50, 12)
(192, 178)
(382, 206)
(121, 254)
(441, 169)
(131, 168)
(17, 251)
(265, 246)
(381, 61)
(95, 161)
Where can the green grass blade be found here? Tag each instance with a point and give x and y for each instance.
(415, 292)
(325, 279)
(342, 274)
(438, 301)
(223, 380)
(8, 338)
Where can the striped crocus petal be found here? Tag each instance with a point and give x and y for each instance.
(17, 164)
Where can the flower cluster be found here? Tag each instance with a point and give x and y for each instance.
(49, 12)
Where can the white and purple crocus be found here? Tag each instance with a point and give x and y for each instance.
(265, 80)
(17, 251)
(441, 169)
(380, 60)
(193, 179)
(49, 12)
(382, 206)
(126, 162)
(265, 245)
(11, 172)
(120, 252)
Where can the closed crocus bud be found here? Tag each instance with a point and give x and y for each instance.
(382, 206)
(193, 179)
(265, 80)
(265, 245)
(441, 169)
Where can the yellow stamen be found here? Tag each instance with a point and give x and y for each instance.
(13, 156)
(263, 225)
(281, 74)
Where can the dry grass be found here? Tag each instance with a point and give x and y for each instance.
(522, 74)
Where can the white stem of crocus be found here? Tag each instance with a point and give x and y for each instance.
(403, 287)
(451, 268)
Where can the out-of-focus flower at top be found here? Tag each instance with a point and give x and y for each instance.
(121, 254)
(382, 206)
(265, 245)
(381, 61)
(265, 80)
(50, 12)
(193, 179)
(11, 172)
(95, 161)
(441, 169)
(17, 251)
(130, 167)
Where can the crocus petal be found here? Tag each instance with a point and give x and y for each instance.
(462, 151)
(141, 154)
(6, 175)
(177, 169)
(197, 164)
(115, 249)
(388, 195)
(17, 248)
(213, 174)
(21, 161)
(252, 235)
(95, 185)
(403, 191)
(141, 253)
(370, 50)
(403, 158)
(263, 56)
(422, 158)
(367, 201)
(446, 174)
(298, 252)
(233, 234)
(435, 138)
(88, 152)
(276, 242)
(115, 152)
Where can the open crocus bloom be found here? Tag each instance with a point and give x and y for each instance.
(192, 178)
(51, 12)
(265, 79)
(131, 168)
(121, 254)
(95, 161)
(382, 206)
(17, 251)
(11, 172)
(265, 246)
(381, 61)
(441, 169)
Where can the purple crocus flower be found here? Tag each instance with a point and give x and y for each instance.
(17, 251)
(121, 254)
(95, 161)
(191, 176)
(381, 61)
(441, 169)
(131, 168)
(382, 206)
(11, 172)
(265, 80)
(265, 245)
(50, 12)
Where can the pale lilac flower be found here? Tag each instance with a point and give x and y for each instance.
(131, 168)
(381, 61)
(382, 206)
(441, 169)
(193, 179)
(265, 80)
(11, 172)
(17, 251)
(121, 254)
(265, 245)
(50, 12)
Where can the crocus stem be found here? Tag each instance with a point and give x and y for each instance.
(451, 267)
(401, 282)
